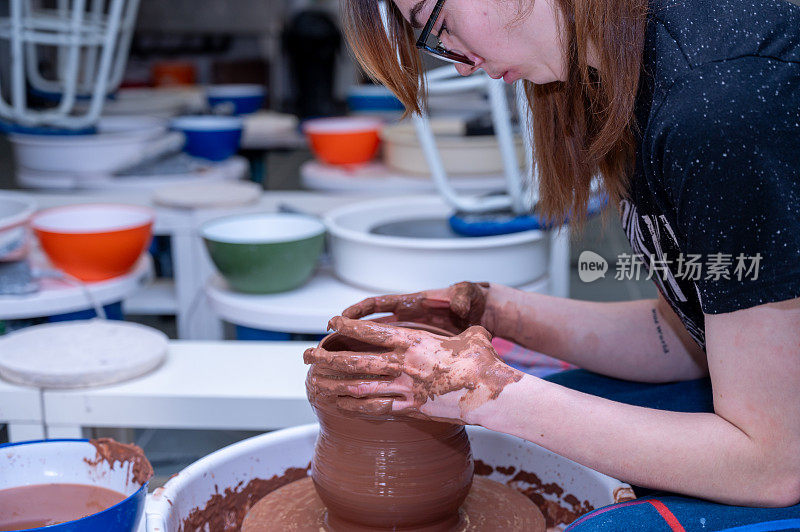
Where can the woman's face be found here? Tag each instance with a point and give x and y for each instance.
(506, 38)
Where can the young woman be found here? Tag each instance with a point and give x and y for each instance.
(689, 110)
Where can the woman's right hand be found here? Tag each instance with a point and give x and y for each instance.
(453, 309)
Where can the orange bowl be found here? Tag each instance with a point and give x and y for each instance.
(343, 140)
(93, 242)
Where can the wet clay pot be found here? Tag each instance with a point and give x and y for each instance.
(388, 471)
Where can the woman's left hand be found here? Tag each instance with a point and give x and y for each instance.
(411, 372)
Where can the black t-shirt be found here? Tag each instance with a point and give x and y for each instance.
(717, 179)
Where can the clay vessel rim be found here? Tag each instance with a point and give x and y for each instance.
(402, 324)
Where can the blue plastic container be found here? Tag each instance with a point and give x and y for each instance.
(10, 127)
(373, 98)
(113, 312)
(237, 99)
(209, 136)
(259, 335)
(70, 461)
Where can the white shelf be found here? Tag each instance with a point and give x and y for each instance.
(304, 310)
(156, 298)
(219, 385)
(59, 297)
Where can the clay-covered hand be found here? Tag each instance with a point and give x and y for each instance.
(453, 309)
(411, 372)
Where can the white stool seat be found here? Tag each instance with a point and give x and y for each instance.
(208, 195)
(58, 297)
(304, 310)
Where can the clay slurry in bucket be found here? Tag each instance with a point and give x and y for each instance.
(49, 504)
(40, 505)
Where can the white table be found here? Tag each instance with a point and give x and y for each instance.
(21, 410)
(202, 385)
(304, 310)
(58, 296)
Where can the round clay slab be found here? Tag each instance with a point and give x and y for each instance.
(208, 195)
(77, 354)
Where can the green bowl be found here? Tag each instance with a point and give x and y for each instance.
(264, 253)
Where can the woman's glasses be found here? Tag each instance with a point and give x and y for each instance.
(437, 49)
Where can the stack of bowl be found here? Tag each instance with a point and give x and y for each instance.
(48, 157)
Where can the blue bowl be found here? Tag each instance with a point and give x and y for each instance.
(71, 461)
(209, 136)
(372, 98)
(237, 99)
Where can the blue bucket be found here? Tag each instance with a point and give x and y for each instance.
(74, 462)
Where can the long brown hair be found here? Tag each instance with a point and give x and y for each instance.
(582, 127)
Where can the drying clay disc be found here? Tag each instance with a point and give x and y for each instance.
(76, 354)
(208, 195)
(490, 506)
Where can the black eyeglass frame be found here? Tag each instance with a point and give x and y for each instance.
(439, 51)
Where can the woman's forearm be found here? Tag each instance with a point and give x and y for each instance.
(700, 455)
(634, 340)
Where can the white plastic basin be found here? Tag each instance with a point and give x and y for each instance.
(120, 142)
(407, 264)
(271, 454)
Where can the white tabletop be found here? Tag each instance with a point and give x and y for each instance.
(227, 385)
(376, 178)
(57, 296)
(19, 403)
(290, 139)
(304, 310)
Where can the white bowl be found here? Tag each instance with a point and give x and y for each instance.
(121, 142)
(272, 454)
(404, 264)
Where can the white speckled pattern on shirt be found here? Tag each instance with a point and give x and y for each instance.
(718, 169)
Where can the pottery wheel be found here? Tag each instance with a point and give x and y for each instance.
(208, 195)
(489, 506)
(77, 354)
